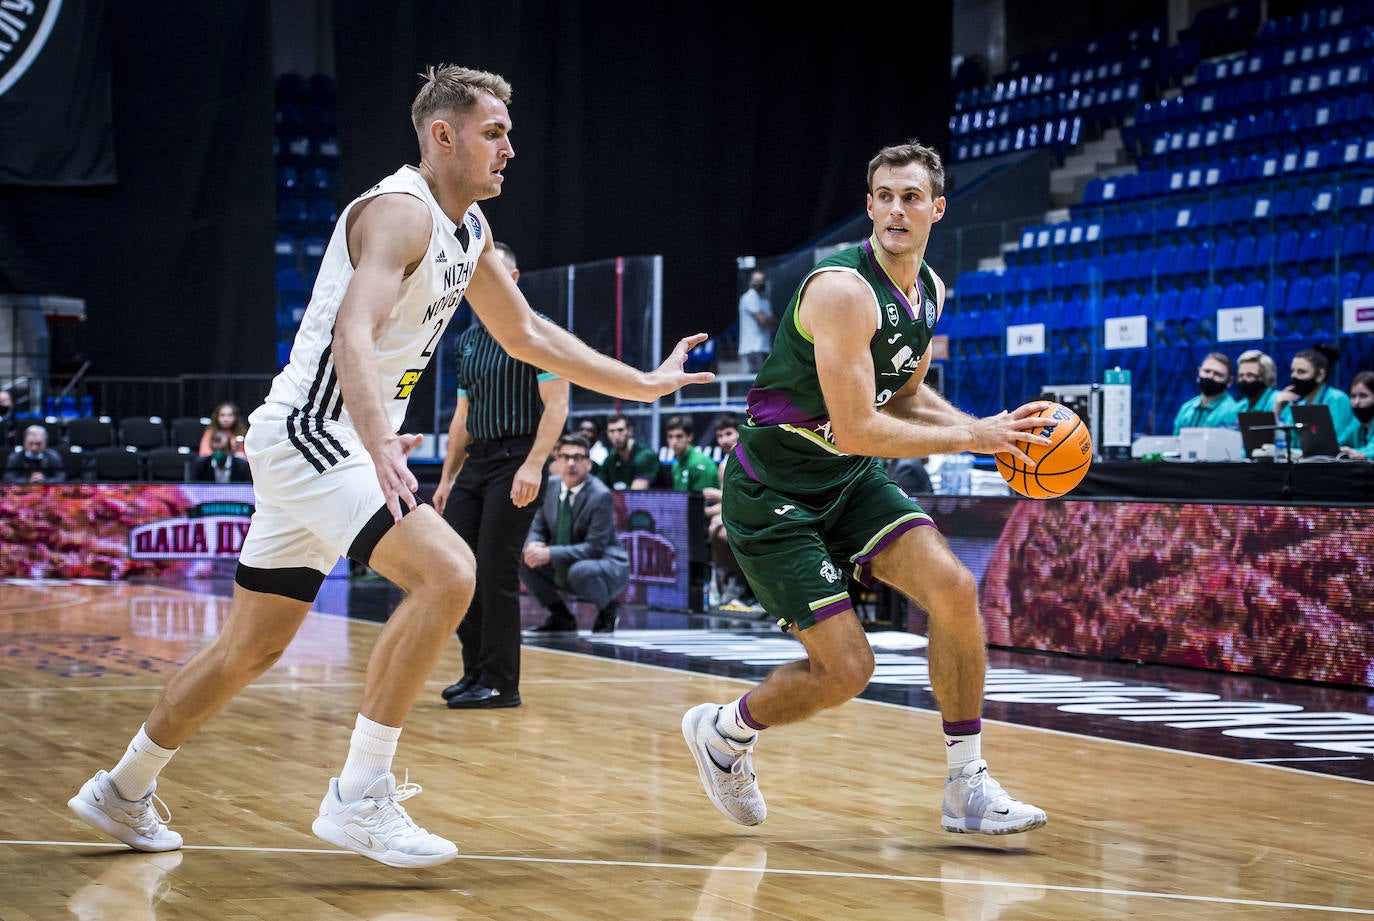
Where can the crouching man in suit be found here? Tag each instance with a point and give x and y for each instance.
(572, 546)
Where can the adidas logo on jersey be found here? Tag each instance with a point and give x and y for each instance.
(441, 258)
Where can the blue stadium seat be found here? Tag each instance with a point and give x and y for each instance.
(312, 253)
(1299, 293)
(290, 282)
(1232, 296)
(1244, 255)
(1288, 246)
(1223, 257)
(288, 252)
(323, 214)
(1354, 240)
(1349, 285)
(1309, 250)
(288, 179)
(293, 214)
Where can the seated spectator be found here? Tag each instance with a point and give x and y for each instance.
(591, 432)
(572, 545)
(1256, 375)
(692, 470)
(226, 418)
(730, 584)
(629, 465)
(223, 465)
(1357, 438)
(911, 475)
(6, 417)
(1212, 407)
(35, 462)
(1309, 385)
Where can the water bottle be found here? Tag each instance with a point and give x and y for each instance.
(965, 474)
(1280, 446)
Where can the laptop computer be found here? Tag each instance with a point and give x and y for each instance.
(1256, 431)
(1317, 433)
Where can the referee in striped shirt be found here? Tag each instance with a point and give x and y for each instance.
(507, 421)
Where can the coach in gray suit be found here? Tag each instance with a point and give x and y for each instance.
(572, 546)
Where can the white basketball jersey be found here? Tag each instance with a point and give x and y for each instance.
(306, 393)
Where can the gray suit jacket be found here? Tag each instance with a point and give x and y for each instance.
(593, 524)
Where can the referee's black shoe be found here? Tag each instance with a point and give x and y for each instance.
(458, 687)
(482, 698)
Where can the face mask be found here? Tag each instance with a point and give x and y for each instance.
(1209, 387)
(219, 458)
(1364, 413)
(1251, 389)
(34, 457)
(1302, 387)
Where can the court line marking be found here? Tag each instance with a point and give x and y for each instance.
(1259, 763)
(1253, 762)
(818, 874)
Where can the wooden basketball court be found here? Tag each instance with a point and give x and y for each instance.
(584, 802)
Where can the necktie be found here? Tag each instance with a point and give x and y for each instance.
(560, 572)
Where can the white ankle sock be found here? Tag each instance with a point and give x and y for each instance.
(961, 749)
(369, 754)
(137, 771)
(731, 724)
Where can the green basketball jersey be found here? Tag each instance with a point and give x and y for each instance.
(786, 443)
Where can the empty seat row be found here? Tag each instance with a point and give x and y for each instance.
(1255, 93)
(1274, 57)
(1351, 156)
(1025, 111)
(1251, 132)
(138, 432)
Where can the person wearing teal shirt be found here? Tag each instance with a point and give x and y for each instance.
(692, 471)
(1213, 407)
(1256, 375)
(1357, 438)
(1309, 385)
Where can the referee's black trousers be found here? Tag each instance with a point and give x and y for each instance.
(480, 510)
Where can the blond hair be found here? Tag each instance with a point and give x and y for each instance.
(455, 89)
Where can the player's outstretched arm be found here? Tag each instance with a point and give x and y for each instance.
(534, 340)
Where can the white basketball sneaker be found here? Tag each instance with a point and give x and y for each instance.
(140, 823)
(734, 790)
(378, 826)
(974, 802)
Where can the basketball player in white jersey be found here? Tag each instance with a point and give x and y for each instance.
(330, 474)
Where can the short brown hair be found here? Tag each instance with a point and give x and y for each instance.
(455, 89)
(912, 151)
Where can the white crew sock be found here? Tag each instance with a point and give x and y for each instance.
(369, 754)
(961, 749)
(137, 771)
(732, 724)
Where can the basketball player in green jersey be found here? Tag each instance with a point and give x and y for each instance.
(805, 502)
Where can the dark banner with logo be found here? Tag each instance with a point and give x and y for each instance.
(56, 122)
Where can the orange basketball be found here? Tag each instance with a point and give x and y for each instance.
(1059, 465)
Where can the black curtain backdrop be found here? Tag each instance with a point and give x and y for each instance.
(174, 260)
(55, 120)
(698, 131)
